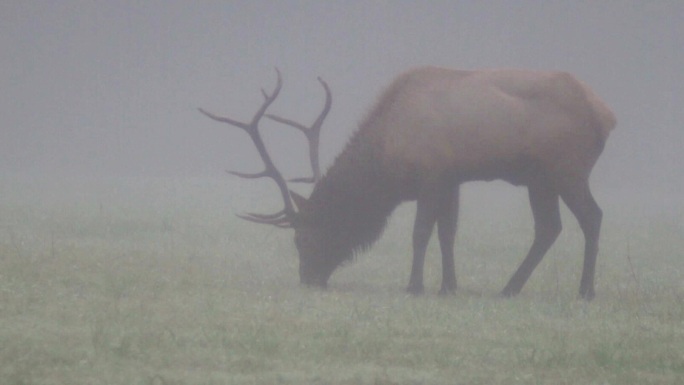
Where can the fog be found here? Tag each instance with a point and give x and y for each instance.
(111, 88)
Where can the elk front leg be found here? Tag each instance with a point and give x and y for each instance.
(427, 208)
(446, 231)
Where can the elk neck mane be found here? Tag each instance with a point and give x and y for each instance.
(356, 196)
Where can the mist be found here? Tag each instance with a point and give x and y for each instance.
(112, 88)
(121, 259)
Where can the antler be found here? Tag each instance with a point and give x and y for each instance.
(284, 217)
(312, 133)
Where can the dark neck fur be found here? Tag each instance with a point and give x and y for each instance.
(354, 199)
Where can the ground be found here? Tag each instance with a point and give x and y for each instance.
(155, 281)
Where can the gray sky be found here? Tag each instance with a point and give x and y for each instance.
(111, 87)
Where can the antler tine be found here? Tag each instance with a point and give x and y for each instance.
(326, 108)
(249, 176)
(254, 124)
(285, 216)
(267, 216)
(312, 134)
(268, 99)
(244, 126)
(282, 222)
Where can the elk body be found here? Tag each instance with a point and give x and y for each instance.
(430, 131)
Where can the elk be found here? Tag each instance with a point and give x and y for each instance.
(431, 130)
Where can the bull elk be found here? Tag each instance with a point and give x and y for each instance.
(431, 130)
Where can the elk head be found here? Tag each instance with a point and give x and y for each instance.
(313, 269)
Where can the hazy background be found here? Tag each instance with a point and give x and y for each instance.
(110, 88)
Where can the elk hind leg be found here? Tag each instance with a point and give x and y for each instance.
(547, 226)
(589, 215)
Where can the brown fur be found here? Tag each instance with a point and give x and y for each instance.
(435, 128)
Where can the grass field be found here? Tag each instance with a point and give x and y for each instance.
(155, 281)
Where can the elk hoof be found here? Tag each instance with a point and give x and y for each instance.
(508, 293)
(587, 295)
(415, 289)
(447, 289)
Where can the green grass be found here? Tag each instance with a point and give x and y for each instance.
(156, 282)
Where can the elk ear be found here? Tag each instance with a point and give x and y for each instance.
(300, 202)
